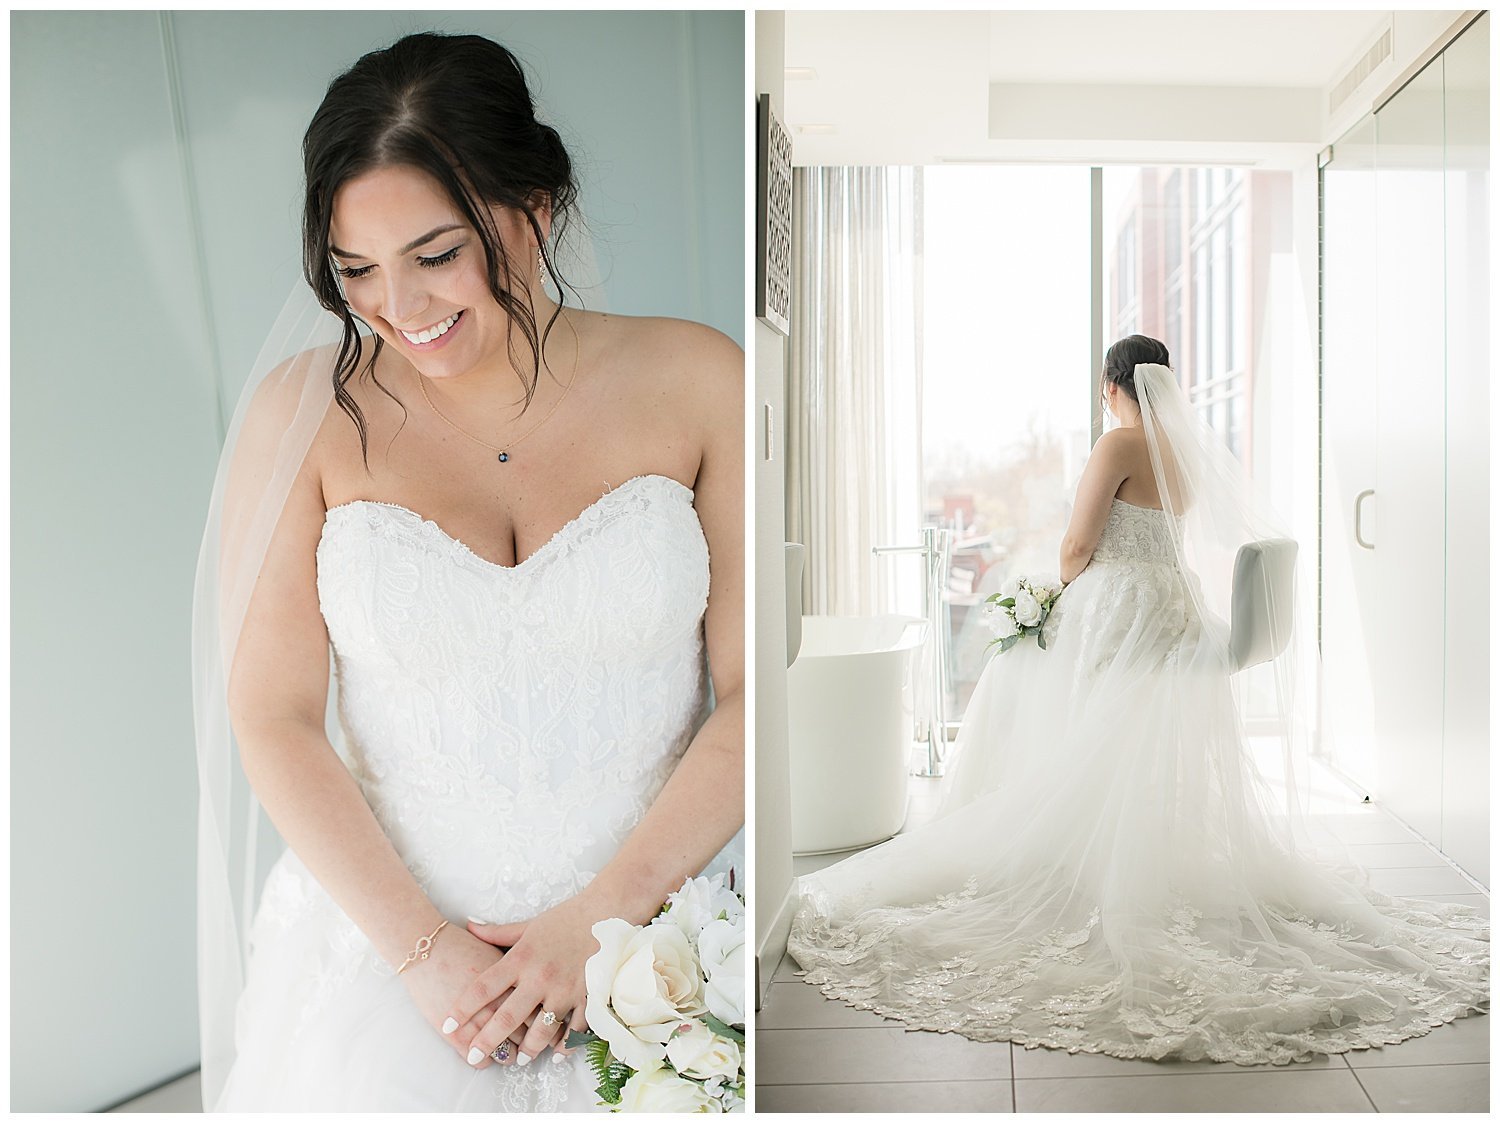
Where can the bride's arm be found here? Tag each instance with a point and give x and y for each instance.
(1102, 476)
(278, 694)
(702, 805)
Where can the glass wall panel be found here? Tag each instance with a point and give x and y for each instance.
(1466, 178)
(1347, 579)
(1409, 386)
(1405, 389)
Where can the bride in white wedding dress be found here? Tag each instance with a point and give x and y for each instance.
(503, 533)
(1109, 871)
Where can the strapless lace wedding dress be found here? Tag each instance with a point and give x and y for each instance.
(1107, 872)
(509, 726)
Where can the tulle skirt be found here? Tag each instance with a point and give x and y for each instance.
(324, 1025)
(1110, 872)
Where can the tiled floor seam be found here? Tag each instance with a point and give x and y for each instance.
(1375, 1107)
(1014, 1110)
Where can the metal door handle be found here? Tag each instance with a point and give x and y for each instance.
(1358, 512)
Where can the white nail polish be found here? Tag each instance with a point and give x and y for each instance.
(558, 1058)
(476, 1055)
(476, 920)
(523, 1060)
(449, 1026)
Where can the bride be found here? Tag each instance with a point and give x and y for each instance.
(1110, 870)
(504, 533)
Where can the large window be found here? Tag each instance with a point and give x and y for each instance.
(1005, 365)
(1008, 373)
(1199, 305)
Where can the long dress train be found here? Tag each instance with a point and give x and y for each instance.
(1111, 873)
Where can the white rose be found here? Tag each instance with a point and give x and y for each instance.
(1004, 625)
(1028, 611)
(1010, 588)
(721, 949)
(657, 1088)
(699, 901)
(642, 983)
(703, 1054)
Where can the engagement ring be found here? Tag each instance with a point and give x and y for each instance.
(548, 1018)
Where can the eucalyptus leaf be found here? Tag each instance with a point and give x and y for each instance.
(723, 1029)
(578, 1038)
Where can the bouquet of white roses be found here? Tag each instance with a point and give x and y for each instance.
(1020, 609)
(666, 1005)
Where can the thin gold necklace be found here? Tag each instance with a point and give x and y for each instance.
(504, 453)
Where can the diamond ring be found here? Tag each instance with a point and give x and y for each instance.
(548, 1018)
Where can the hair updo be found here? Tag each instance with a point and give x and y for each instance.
(1123, 355)
(456, 107)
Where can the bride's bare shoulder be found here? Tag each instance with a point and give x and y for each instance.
(290, 388)
(673, 346)
(677, 364)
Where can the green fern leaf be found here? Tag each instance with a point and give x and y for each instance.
(597, 1052)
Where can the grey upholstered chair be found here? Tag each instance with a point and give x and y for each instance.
(1261, 601)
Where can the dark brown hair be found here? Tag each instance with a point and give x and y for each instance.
(456, 107)
(1124, 354)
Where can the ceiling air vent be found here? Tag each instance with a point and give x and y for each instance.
(1361, 70)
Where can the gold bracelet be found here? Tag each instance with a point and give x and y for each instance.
(423, 948)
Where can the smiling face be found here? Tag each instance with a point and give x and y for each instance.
(410, 263)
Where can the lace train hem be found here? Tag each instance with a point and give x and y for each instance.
(1319, 989)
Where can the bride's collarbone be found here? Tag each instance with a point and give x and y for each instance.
(503, 511)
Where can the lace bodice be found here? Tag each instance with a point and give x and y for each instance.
(508, 725)
(1133, 533)
(514, 722)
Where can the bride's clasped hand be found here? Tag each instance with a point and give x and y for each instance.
(541, 972)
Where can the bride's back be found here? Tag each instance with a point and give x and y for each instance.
(1139, 487)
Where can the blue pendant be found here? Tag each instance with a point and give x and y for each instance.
(504, 456)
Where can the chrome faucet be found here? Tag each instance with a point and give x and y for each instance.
(937, 552)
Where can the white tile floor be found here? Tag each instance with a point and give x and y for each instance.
(815, 1054)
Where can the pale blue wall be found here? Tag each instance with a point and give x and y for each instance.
(155, 190)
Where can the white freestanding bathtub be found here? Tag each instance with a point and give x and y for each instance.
(850, 696)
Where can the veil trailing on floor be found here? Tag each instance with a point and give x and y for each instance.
(1118, 865)
(285, 399)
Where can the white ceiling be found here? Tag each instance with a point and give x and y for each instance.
(1179, 48)
(940, 87)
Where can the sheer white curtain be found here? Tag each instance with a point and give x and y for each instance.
(854, 387)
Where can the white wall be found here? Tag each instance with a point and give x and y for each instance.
(155, 196)
(773, 884)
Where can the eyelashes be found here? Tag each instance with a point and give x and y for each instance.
(352, 273)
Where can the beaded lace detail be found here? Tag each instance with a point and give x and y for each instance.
(1217, 1000)
(1134, 533)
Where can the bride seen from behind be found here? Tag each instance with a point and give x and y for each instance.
(1111, 869)
(504, 531)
